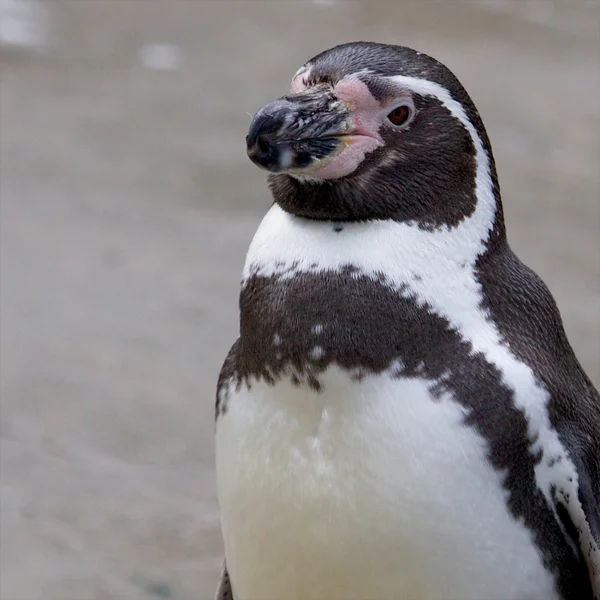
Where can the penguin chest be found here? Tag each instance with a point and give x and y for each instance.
(367, 489)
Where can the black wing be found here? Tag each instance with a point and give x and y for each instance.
(530, 324)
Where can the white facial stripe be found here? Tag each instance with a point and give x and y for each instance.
(483, 180)
(301, 70)
(445, 260)
(300, 78)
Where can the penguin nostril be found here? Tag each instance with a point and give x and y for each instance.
(265, 152)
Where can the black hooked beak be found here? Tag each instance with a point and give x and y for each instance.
(297, 131)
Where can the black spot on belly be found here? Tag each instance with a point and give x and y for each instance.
(554, 460)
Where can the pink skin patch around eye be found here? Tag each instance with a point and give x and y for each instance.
(363, 135)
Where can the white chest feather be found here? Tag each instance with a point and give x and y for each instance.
(370, 490)
(374, 489)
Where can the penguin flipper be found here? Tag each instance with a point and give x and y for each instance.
(224, 591)
(577, 500)
(228, 371)
(585, 522)
(528, 318)
(590, 548)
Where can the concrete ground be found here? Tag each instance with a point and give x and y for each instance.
(127, 204)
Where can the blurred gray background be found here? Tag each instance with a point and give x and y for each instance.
(127, 205)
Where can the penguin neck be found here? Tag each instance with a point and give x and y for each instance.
(463, 240)
(337, 237)
(388, 191)
(460, 213)
(286, 244)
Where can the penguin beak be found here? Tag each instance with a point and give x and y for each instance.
(299, 131)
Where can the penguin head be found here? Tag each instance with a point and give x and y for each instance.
(374, 131)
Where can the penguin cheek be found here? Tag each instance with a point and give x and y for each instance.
(363, 131)
(367, 112)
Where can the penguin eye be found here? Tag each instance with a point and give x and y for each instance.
(400, 115)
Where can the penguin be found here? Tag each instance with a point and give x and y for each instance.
(402, 416)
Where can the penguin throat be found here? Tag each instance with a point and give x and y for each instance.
(442, 204)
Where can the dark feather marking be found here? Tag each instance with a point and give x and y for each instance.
(367, 326)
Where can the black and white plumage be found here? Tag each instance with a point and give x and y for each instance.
(402, 416)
